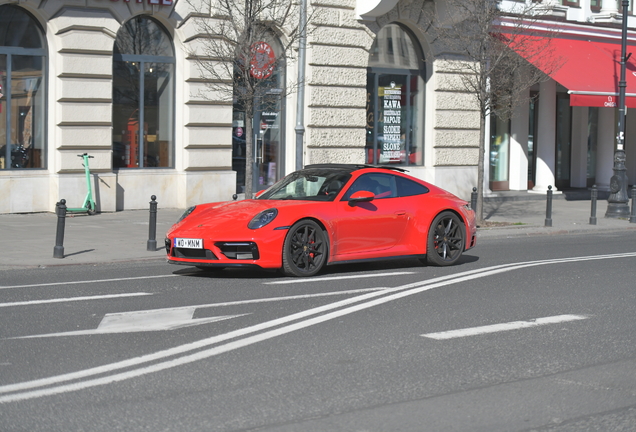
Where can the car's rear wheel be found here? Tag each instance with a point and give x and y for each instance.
(446, 239)
(305, 250)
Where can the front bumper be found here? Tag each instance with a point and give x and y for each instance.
(264, 253)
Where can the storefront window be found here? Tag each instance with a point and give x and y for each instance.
(22, 90)
(395, 99)
(143, 94)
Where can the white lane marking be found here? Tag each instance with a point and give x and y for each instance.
(87, 281)
(369, 300)
(495, 328)
(143, 321)
(295, 281)
(72, 299)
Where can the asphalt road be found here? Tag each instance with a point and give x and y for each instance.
(525, 334)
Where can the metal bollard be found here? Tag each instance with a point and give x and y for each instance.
(152, 228)
(593, 213)
(60, 211)
(548, 208)
(632, 217)
(473, 199)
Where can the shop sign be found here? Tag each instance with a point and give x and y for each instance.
(392, 149)
(151, 2)
(610, 102)
(268, 119)
(263, 60)
(238, 132)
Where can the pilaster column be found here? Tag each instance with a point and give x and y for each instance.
(519, 148)
(546, 137)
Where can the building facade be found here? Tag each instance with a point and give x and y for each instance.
(119, 80)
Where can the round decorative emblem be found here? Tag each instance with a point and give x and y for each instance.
(615, 186)
(263, 60)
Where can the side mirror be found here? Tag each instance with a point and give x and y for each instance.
(361, 196)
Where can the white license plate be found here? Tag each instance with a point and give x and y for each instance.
(188, 243)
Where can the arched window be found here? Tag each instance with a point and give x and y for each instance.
(268, 123)
(143, 94)
(22, 90)
(395, 99)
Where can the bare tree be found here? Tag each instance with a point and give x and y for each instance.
(237, 56)
(494, 54)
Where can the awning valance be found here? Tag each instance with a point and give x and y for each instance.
(590, 70)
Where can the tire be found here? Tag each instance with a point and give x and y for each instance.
(446, 239)
(91, 210)
(305, 250)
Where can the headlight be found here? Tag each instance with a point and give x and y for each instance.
(263, 218)
(186, 214)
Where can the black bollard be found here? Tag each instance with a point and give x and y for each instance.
(152, 228)
(548, 208)
(60, 211)
(632, 217)
(594, 197)
(473, 199)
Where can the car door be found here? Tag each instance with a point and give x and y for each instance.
(363, 228)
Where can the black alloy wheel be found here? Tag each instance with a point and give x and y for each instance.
(446, 239)
(305, 250)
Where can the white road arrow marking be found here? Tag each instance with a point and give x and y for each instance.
(142, 321)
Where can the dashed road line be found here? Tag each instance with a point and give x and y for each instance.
(72, 299)
(495, 328)
(87, 281)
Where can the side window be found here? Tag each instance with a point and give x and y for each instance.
(406, 187)
(382, 186)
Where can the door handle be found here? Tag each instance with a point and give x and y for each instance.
(400, 212)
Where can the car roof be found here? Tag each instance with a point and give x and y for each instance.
(355, 167)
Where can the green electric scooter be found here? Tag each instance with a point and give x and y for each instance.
(89, 202)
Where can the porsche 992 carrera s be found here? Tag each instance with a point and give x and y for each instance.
(323, 215)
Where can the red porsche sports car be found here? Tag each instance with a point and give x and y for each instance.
(327, 214)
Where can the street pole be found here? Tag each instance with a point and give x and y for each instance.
(300, 103)
(617, 202)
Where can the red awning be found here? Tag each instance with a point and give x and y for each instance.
(591, 70)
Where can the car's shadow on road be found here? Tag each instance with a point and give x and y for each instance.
(330, 270)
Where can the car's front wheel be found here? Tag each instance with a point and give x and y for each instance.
(446, 239)
(305, 250)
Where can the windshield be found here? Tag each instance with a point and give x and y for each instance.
(310, 184)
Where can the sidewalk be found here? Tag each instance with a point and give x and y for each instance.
(526, 218)
(29, 239)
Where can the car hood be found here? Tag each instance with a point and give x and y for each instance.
(234, 214)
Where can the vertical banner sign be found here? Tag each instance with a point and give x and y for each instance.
(390, 122)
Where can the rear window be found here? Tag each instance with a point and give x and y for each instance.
(406, 187)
